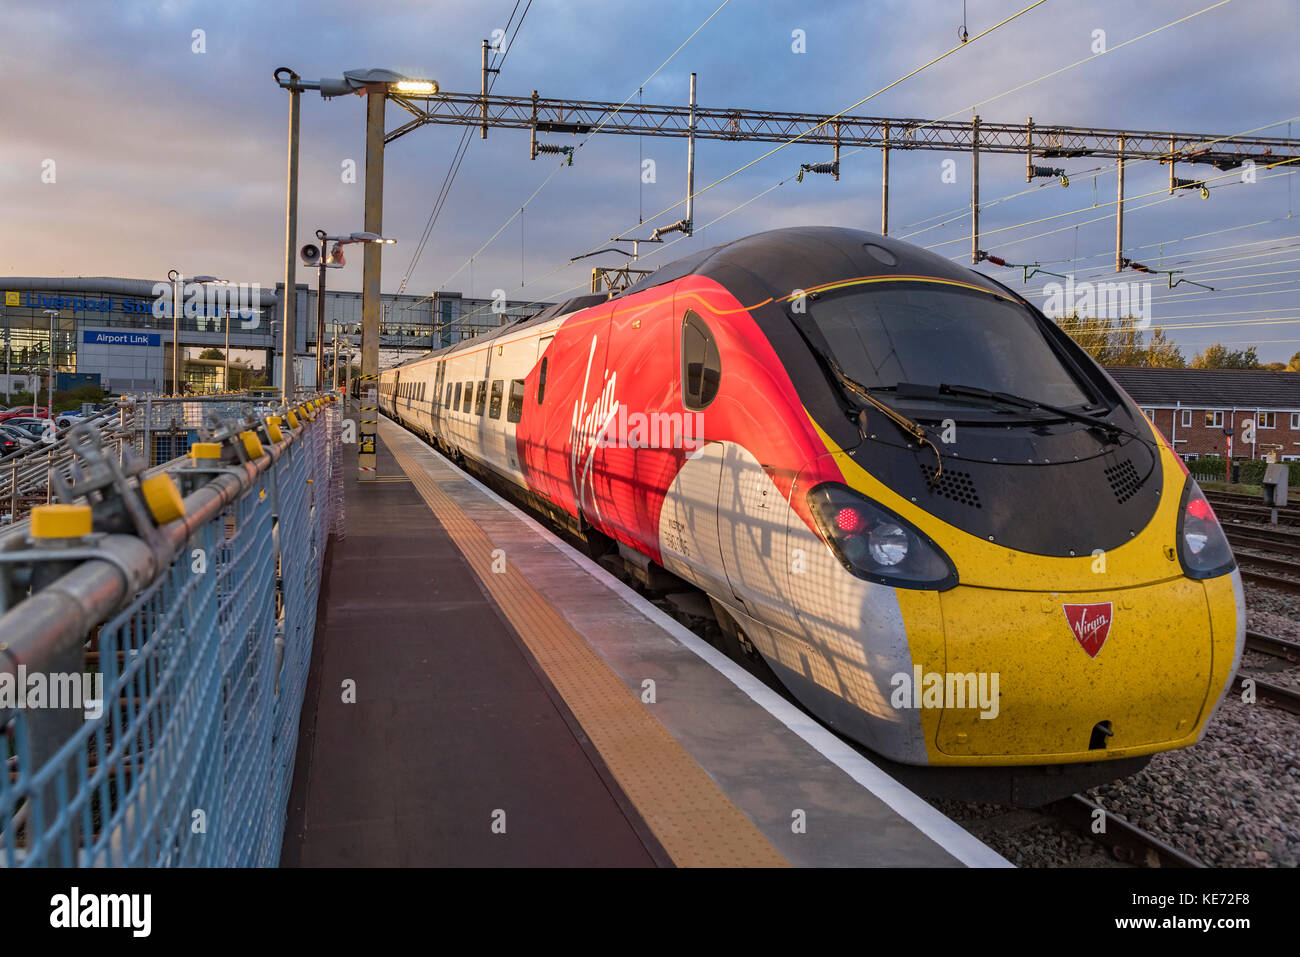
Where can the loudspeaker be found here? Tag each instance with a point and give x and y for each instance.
(310, 255)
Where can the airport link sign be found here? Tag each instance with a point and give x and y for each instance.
(107, 337)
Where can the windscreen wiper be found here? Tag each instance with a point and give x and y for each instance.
(863, 392)
(914, 429)
(946, 388)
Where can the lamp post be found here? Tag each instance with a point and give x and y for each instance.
(178, 289)
(375, 86)
(226, 384)
(334, 260)
(49, 388)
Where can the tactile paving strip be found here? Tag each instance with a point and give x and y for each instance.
(697, 824)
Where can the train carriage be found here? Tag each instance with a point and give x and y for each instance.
(896, 477)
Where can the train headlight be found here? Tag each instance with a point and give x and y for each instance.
(874, 543)
(1203, 549)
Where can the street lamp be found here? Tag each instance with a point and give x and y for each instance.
(375, 85)
(49, 388)
(324, 258)
(178, 286)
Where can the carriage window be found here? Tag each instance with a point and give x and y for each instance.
(541, 381)
(469, 396)
(515, 410)
(446, 403)
(494, 408)
(701, 365)
(480, 401)
(456, 404)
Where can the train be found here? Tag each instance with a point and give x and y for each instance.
(946, 531)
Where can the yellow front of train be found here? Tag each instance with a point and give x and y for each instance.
(1025, 659)
(1048, 553)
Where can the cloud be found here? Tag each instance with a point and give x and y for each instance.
(170, 158)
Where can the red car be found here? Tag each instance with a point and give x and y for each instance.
(40, 412)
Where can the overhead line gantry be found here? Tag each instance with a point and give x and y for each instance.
(547, 115)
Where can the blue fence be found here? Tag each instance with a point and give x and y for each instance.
(190, 760)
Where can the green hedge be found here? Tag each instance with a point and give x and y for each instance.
(1251, 472)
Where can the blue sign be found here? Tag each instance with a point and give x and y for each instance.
(105, 337)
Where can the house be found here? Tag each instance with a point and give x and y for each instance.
(1192, 407)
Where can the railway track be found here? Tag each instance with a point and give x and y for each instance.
(1126, 842)
(1236, 507)
(1254, 513)
(1281, 696)
(1263, 539)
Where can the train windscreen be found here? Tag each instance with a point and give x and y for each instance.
(931, 335)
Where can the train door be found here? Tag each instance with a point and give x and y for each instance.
(435, 400)
(689, 539)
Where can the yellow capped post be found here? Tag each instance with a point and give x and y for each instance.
(163, 498)
(273, 429)
(293, 420)
(252, 444)
(60, 521)
(205, 451)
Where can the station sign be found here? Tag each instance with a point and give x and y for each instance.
(114, 337)
(139, 307)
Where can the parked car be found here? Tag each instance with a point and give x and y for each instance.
(24, 438)
(9, 444)
(34, 427)
(30, 411)
(65, 419)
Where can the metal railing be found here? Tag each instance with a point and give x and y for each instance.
(158, 428)
(191, 638)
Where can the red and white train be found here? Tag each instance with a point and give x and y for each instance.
(950, 534)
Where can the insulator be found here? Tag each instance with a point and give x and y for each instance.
(1046, 172)
(832, 168)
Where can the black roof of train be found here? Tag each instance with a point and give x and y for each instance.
(800, 257)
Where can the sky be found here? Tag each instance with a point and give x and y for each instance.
(167, 152)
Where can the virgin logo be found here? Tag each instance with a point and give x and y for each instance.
(1090, 624)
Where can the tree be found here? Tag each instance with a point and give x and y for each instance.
(1123, 343)
(212, 354)
(1219, 356)
(1294, 364)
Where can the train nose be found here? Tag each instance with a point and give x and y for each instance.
(1073, 674)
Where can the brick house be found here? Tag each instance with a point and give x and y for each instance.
(1190, 407)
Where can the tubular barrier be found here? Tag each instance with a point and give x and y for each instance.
(188, 637)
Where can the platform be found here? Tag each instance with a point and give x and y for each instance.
(499, 715)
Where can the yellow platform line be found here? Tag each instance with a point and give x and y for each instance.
(694, 821)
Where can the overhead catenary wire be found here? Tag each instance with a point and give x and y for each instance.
(613, 113)
(852, 106)
(1023, 192)
(779, 147)
(462, 148)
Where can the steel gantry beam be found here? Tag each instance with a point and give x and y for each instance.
(580, 117)
(539, 114)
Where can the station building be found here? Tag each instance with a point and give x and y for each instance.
(1192, 407)
(108, 327)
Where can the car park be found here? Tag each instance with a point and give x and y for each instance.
(12, 431)
(25, 410)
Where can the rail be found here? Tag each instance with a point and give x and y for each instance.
(155, 633)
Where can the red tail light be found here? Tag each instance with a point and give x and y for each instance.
(848, 520)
